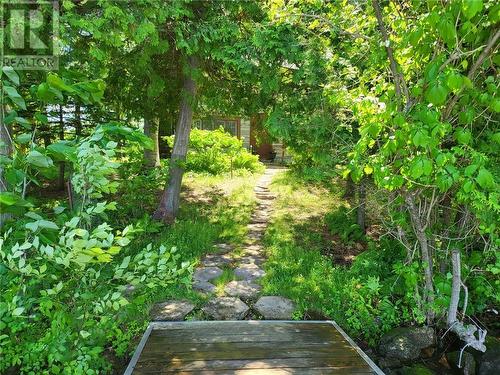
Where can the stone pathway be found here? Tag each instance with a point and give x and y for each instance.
(240, 299)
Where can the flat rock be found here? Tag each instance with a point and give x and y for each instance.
(252, 259)
(265, 196)
(224, 247)
(171, 310)
(275, 307)
(257, 227)
(405, 343)
(249, 271)
(203, 286)
(254, 249)
(216, 260)
(226, 308)
(207, 273)
(242, 289)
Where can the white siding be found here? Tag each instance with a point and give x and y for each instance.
(245, 132)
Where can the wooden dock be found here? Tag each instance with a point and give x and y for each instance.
(248, 348)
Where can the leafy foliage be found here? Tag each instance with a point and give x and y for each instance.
(218, 152)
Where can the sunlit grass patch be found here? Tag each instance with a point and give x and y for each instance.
(221, 281)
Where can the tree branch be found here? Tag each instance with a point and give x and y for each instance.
(492, 44)
(399, 82)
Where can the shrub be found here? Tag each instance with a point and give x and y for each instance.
(342, 223)
(70, 287)
(216, 152)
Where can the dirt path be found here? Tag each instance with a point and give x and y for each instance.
(240, 297)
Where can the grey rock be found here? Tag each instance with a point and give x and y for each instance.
(275, 307)
(216, 260)
(489, 362)
(252, 259)
(249, 272)
(405, 343)
(242, 289)
(254, 249)
(203, 286)
(226, 308)
(171, 310)
(257, 227)
(468, 365)
(207, 273)
(224, 248)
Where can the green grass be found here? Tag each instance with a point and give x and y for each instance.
(221, 281)
(296, 268)
(214, 209)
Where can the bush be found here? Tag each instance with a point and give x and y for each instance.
(342, 223)
(216, 152)
(70, 285)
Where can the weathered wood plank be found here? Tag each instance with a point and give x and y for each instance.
(269, 371)
(250, 348)
(228, 346)
(234, 364)
(251, 329)
(235, 336)
(242, 324)
(253, 353)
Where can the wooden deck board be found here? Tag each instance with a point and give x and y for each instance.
(248, 348)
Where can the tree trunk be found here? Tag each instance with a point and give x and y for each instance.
(60, 180)
(169, 203)
(419, 230)
(350, 188)
(5, 150)
(152, 157)
(361, 211)
(78, 121)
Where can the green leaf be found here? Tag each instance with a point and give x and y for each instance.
(15, 97)
(426, 166)
(11, 74)
(62, 151)
(84, 334)
(447, 32)
(485, 179)
(55, 81)
(463, 136)
(17, 311)
(469, 171)
(39, 160)
(125, 262)
(23, 138)
(471, 7)
(436, 95)
(421, 138)
(454, 81)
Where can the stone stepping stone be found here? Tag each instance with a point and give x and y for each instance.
(261, 218)
(216, 260)
(256, 227)
(207, 273)
(252, 259)
(255, 235)
(224, 248)
(204, 286)
(254, 249)
(171, 310)
(249, 272)
(226, 308)
(275, 307)
(242, 289)
(265, 196)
